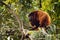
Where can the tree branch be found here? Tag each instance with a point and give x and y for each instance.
(14, 14)
(22, 30)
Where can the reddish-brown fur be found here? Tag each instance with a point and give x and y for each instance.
(39, 19)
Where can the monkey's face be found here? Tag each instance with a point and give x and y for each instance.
(31, 20)
(34, 20)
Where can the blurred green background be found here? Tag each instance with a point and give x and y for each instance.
(9, 24)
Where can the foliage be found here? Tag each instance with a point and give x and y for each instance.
(22, 8)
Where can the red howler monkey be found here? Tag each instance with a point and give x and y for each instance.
(39, 18)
